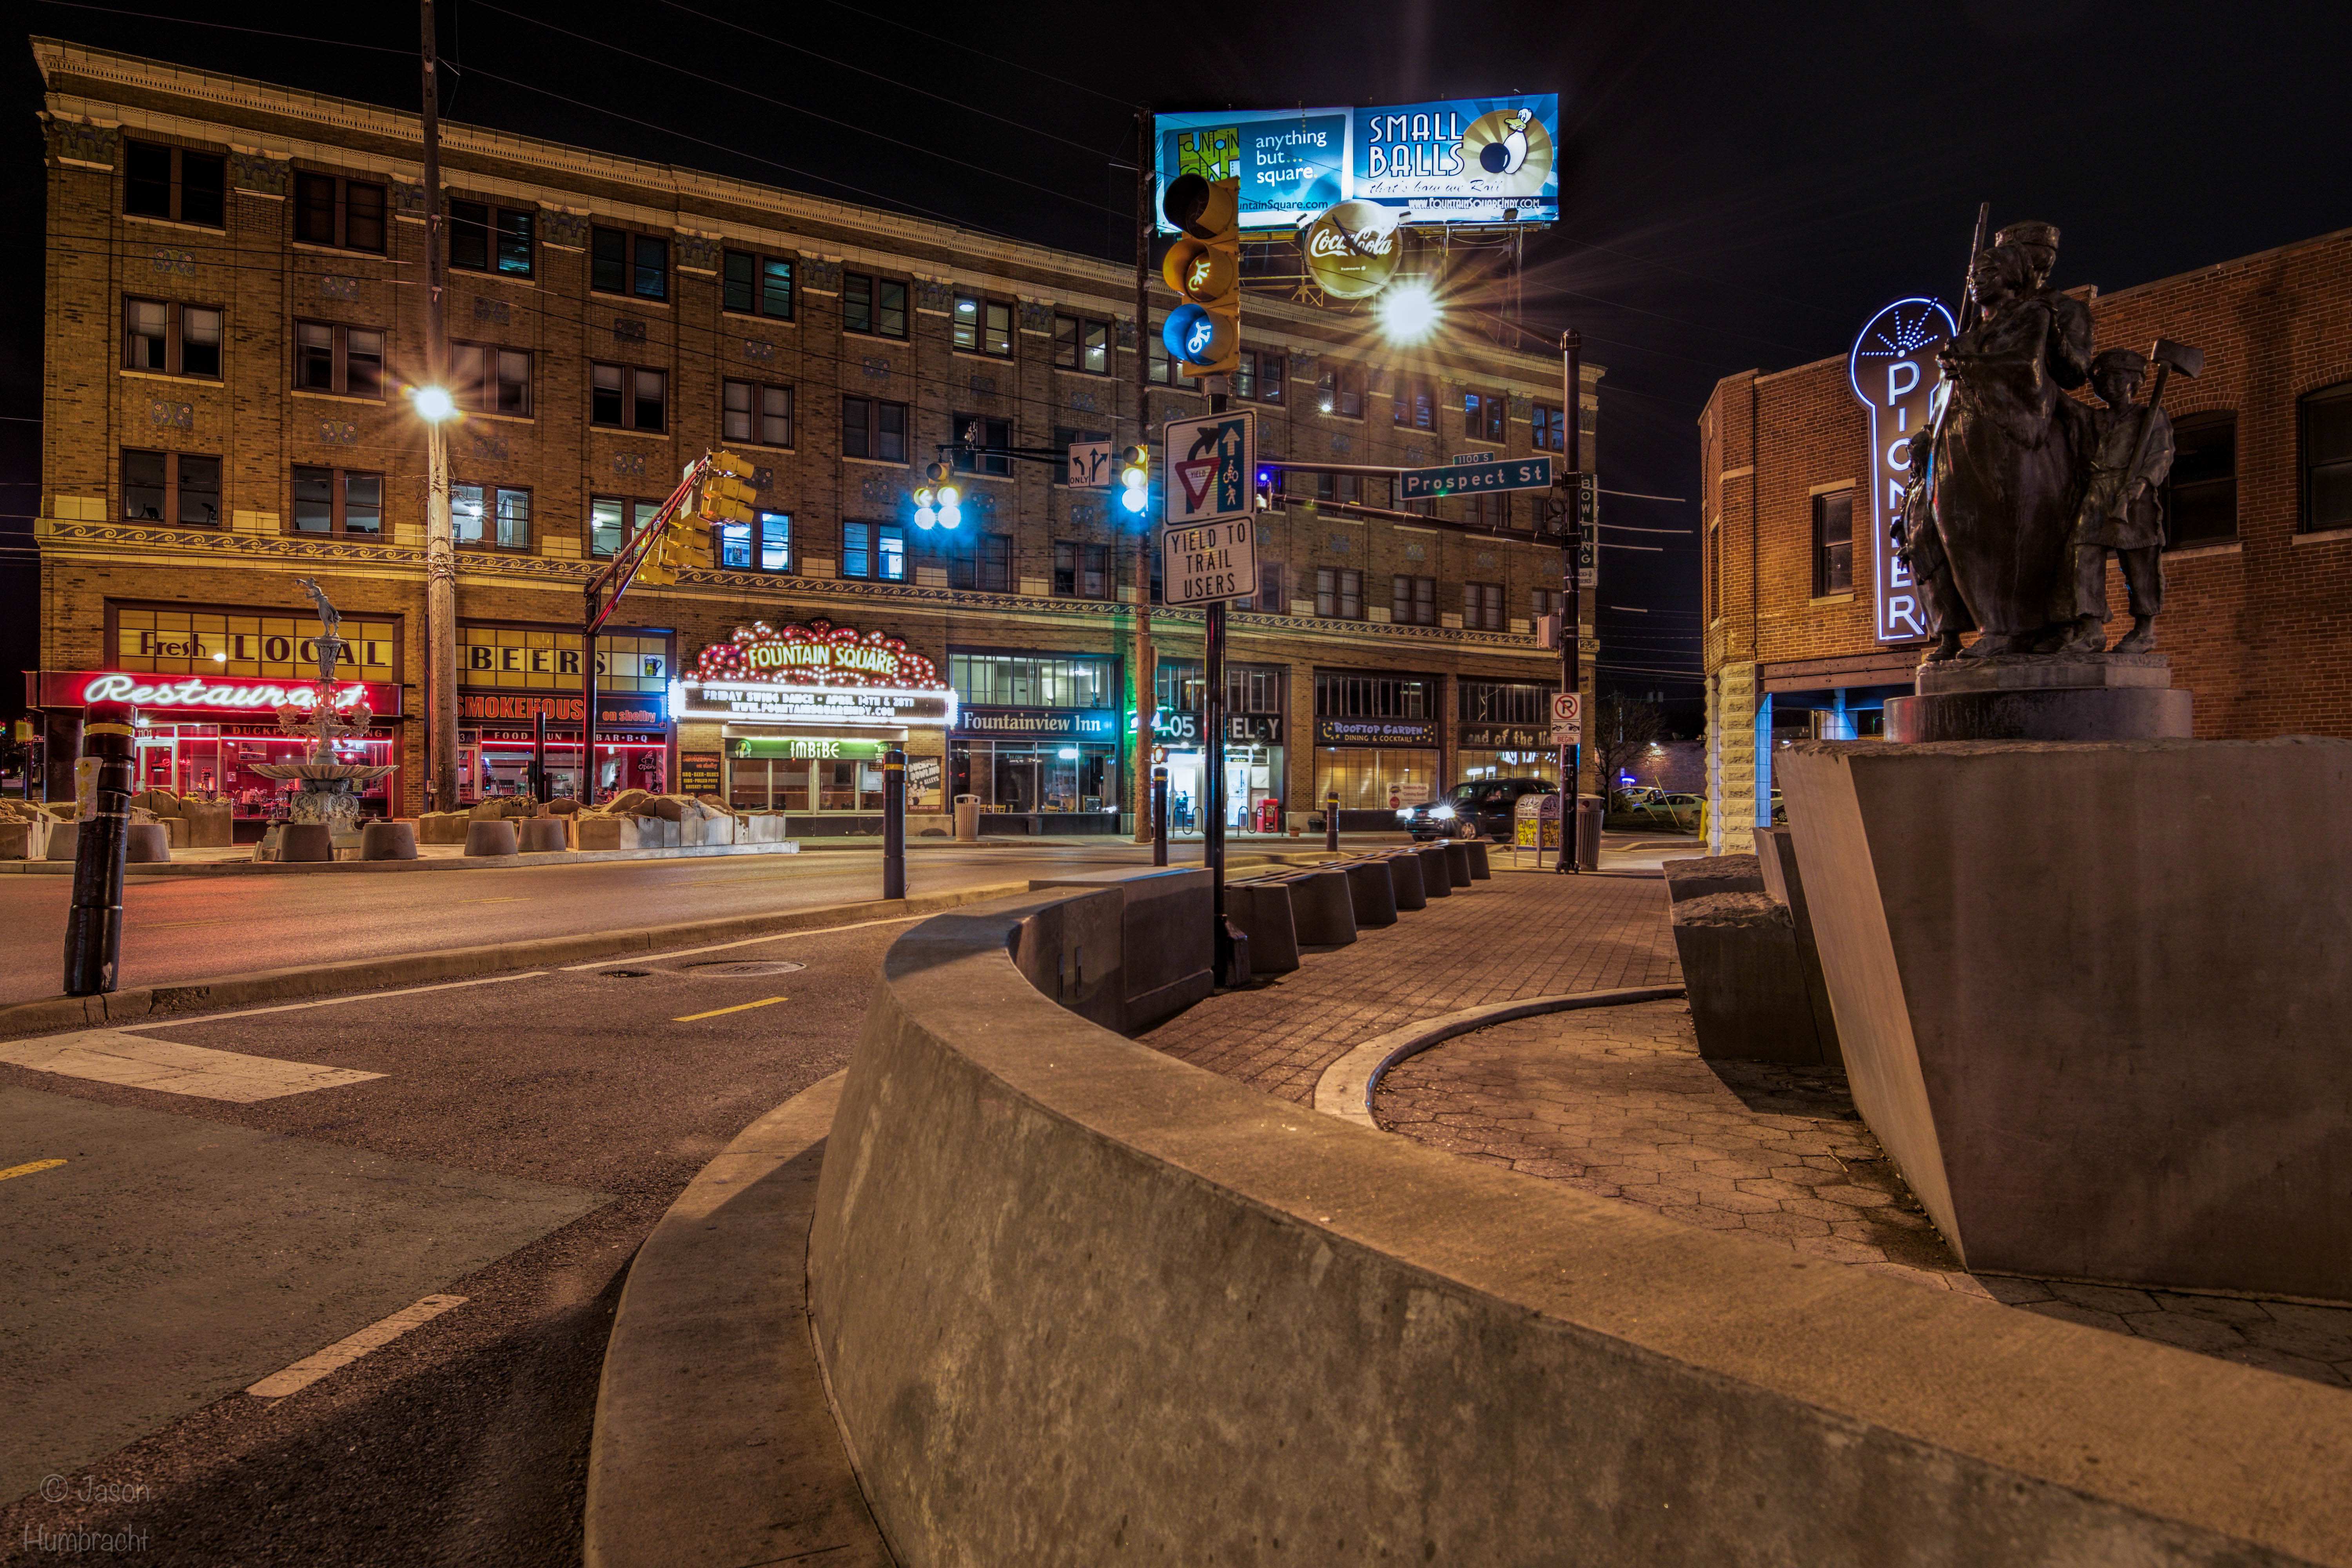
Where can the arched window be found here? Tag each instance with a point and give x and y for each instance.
(2200, 496)
(2327, 458)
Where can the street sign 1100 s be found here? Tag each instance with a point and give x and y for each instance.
(1209, 563)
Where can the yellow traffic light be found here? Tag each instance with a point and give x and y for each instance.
(1203, 267)
(1135, 478)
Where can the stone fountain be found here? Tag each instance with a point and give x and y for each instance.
(326, 796)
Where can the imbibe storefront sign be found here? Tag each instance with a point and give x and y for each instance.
(816, 675)
(203, 696)
(1893, 372)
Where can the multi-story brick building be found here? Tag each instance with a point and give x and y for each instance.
(236, 304)
(2258, 558)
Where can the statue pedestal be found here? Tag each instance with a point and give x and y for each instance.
(2102, 1039)
(2031, 697)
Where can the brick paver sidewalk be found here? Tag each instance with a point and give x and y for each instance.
(1520, 934)
(1618, 1101)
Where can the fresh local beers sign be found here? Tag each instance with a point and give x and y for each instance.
(817, 673)
(1893, 370)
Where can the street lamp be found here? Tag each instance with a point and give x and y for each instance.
(1408, 312)
(436, 407)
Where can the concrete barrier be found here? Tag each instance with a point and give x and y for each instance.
(388, 841)
(1160, 947)
(1404, 881)
(1457, 862)
(1436, 876)
(1748, 998)
(1480, 871)
(1261, 910)
(539, 836)
(1079, 1302)
(146, 843)
(1703, 876)
(1372, 892)
(1776, 857)
(487, 836)
(1322, 907)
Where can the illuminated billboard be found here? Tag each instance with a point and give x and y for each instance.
(1462, 160)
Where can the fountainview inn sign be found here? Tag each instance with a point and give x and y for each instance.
(816, 674)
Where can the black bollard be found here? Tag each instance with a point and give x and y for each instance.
(1331, 822)
(894, 824)
(94, 924)
(1160, 817)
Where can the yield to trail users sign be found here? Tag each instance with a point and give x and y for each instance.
(1212, 467)
(1209, 562)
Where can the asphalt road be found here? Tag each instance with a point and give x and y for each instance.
(519, 1138)
(184, 927)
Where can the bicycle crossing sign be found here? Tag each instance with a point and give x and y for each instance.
(1211, 464)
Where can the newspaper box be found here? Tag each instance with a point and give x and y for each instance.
(1535, 822)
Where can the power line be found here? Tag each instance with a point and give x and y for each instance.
(983, 54)
(228, 27)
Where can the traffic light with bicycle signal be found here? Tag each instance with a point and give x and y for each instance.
(1134, 479)
(939, 501)
(1205, 267)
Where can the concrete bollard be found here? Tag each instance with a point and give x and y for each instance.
(1261, 911)
(306, 841)
(1404, 878)
(1322, 912)
(538, 836)
(1436, 880)
(388, 841)
(1457, 862)
(1479, 870)
(488, 836)
(146, 843)
(1373, 891)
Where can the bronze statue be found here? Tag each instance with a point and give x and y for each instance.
(1921, 549)
(2004, 480)
(2122, 510)
(2068, 350)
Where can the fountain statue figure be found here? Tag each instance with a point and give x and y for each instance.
(327, 785)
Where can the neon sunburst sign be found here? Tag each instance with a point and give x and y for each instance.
(1893, 372)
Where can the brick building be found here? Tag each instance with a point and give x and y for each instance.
(2258, 557)
(235, 305)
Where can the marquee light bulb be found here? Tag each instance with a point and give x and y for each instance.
(1408, 312)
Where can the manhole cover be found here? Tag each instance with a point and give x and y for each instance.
(745, 966)
(626, 974)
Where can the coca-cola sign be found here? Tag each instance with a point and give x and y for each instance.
(1352, 250)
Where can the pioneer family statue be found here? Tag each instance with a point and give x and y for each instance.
(2020, 491)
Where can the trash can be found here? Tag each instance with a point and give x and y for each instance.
(1590, 810)
(967, 816)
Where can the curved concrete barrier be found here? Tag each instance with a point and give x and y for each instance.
(1082, 1303)
(1404, 881)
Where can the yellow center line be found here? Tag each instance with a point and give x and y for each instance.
(159, 925)
(739, 1008)
(26, 1170)
(489, 900)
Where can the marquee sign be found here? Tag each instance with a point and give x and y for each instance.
(814, 674)
(1893, 372)
(79, 687)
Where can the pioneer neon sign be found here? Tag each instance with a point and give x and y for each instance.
(1893, 370)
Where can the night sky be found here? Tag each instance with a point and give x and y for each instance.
(1742, 185)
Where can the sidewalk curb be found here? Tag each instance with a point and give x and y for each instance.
(148, 1001)
(422, 863)
(1345, 1089)
(712, 1396)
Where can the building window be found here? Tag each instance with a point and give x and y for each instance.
(1502, 702)
(757, 414)
(1267, 599)
(490, 516)
(874, 550)
(973, 431)
(346, 360)
(613, 522)
(1833, 542)
(179, 488)
(1339, 389)
(498, 381)
(758, 285)
(1258, 376)
(484, 239)
(337, 501)
(170, 338)
(1343, 696)
(1550, 428)
(1344, 487)
(174, 182)
(1542, 602)
(766, 542)
(1339, 593)
(1483, 415)
(983, 562)
(348, 215)
(1489, 508)
(2327, 458)
(874, 305)
(1412, 601)
(620, 262)
(626, 397)
(982, 327)
(1482, 606)
(874, 429)
(1156, 348)
(1081, 571)
(2201, 494)
(1021, 680)
(1415, 404)
(1080, 343)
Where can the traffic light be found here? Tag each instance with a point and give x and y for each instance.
(940, 501)
(679, 544)
(1134, 479)
(725, 492)
(1205, 267)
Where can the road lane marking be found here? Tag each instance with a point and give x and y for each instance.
(515, 901)
(29, 1167)
(747, 941)
(330, 1001)
(163, 925)
(739, 1008)
(110, 1055)
(344, 1351)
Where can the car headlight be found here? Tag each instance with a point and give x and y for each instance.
(1442, 813)
(1404, 814)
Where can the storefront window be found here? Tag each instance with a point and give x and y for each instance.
(1041, 775)
(1375, 778)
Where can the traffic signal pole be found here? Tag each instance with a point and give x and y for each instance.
(1572, 616)
(1146, 673)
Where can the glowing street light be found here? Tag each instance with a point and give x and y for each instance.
(433, 404)
(1408, 312)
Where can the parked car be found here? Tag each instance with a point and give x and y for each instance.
(1467, 810)
(1675, 810)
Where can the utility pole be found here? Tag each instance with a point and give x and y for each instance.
(440, 544)
(1571, 614)
(1146, 683)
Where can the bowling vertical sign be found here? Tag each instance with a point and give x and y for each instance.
(1893, 370)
